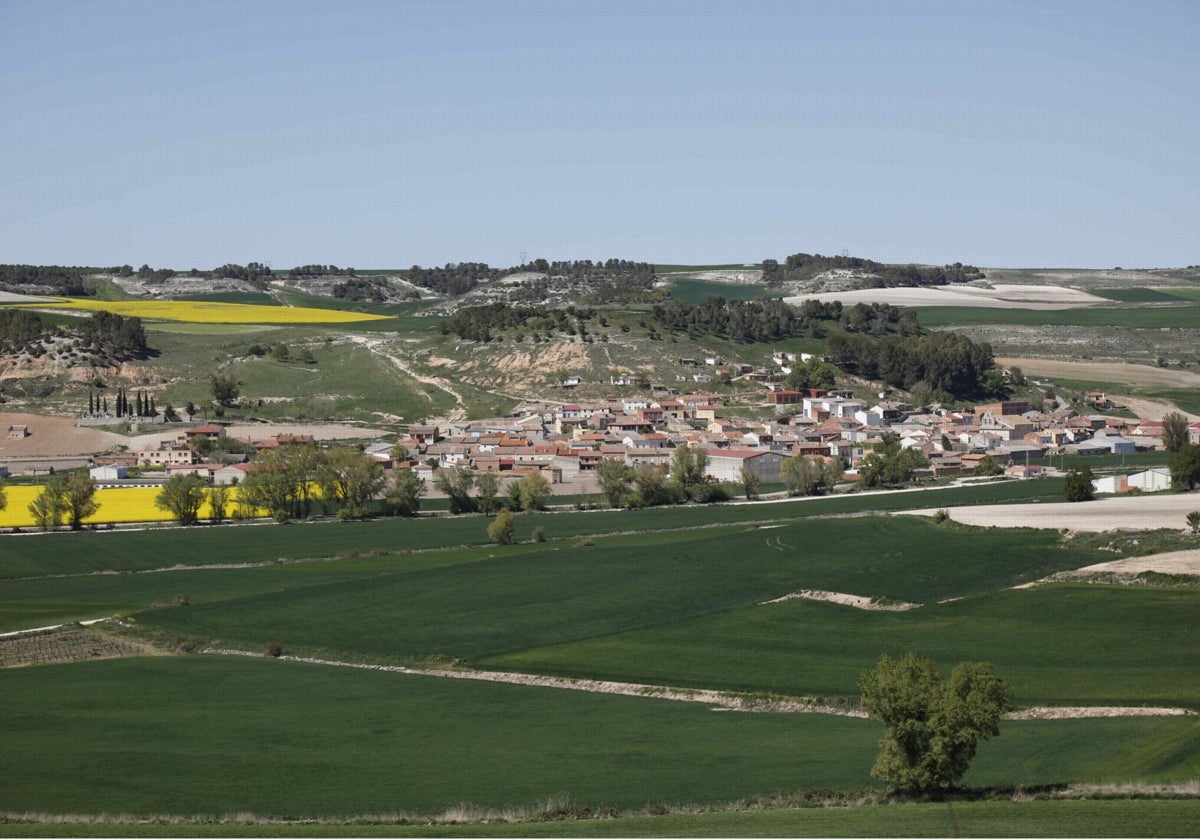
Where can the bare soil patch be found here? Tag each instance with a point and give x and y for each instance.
(1128, 513)
(998, 297)
(1169, 563)
(69, 644)
(857, 601)
(52, 437)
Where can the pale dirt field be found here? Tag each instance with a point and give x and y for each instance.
(1128, 513)
(857, 601)
(1150, 409)
(1170, 563)
(52, 437)
(1104, 372)
(13, 297)
(1000, 297)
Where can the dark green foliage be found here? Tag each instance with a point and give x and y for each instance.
(800, 267)
(1078, 486)
(1185, 467)
(933, 729)
(456, 483)
(63, 280)
(747, 320)
(224, 388)
(890, 466)
(404, 496)
(940, 361)
(374, 289)
(20, 328)
(182, 496)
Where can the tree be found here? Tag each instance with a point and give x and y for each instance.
(218, 498)
(3, 496)
(224, 389)
(1185, 466)
(1078, 486)
(501, 529)
(456, 484)
(615, 478)
(486, 485)
(651, 487)
(988, 466)
(933, 729)
(750, 482)
(270, 485)
(688, 468)
(351, 479)
(182, 497)
(50, 505)
(404, 497)
(79, 493)
(1174, 431)
(533, 489)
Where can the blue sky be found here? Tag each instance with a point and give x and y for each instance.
(379, 135)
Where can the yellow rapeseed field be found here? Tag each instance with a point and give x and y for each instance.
(117, 505)
(213, 312)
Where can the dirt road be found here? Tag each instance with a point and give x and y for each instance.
(1122, 513)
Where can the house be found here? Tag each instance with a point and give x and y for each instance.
(18, 431)
(232, 474)
(109, 472)
(1026, 471)
(726, 464)
(167, 455)
(211, 431)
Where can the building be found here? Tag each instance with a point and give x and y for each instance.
(726, 464)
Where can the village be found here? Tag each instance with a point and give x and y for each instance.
(566, 442)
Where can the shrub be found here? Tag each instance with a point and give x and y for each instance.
(539, 534)
(1193, 521)
(274, 649)
(940, 516)
(501, 529)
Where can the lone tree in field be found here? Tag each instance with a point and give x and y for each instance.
(1174, 431)
(182, 497)
(501, 529)
(224, 389)
(750, 482)
(1078, 487)
(933, 729)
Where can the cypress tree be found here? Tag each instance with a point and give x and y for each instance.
(106, 405)
(91, 409)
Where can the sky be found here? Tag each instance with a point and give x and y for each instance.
(388, 134)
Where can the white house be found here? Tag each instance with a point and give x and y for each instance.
(726, 464)
(110, 472)
(1151, 480)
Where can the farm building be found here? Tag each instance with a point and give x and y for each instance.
(110, 472)
(726, 464)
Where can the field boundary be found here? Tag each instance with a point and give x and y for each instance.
(719, 700)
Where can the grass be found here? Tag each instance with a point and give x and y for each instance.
(696, 291)
(67, 553)
(1187, 399)
(1127, 317)
(532, 596)
(1063, 644)
(257, 298)
(1137, 294)
(320, 741)
(1042, 818)
(329, 741)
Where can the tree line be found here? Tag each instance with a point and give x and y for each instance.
(64, 280)
(800, 267)
(941, 362)
(103, 333)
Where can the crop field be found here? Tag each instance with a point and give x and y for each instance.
(213, 312)
(668, 597)
(336, 742)
(118, 505)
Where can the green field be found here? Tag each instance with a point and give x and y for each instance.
(1064, 644)
(695, 291)
(208, 735)
(670, 596)
(1127, 317)
(260, 298)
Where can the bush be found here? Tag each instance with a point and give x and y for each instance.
(501, 529)
(539, 534)
(274, 649)
(940, 516)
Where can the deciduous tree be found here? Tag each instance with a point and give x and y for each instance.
(182, 497)
(933, 730)
(1174, 431)
(404, 497)
(502, 527)
(1078, 486)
